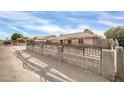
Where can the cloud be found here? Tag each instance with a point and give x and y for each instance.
(108, 23)
(48, 27)
(109, 19)
(56, 29)
(16, 21)
(22, 17)
(73, 20)
(46, 23)
(3, 35)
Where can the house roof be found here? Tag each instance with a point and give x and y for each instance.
(57, 38)
(77, 35)
(67, 36)
(73, 36)
(52, 38)
(44, 37)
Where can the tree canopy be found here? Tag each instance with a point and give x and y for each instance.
(116, 33)
(88, 31)
(15, 36)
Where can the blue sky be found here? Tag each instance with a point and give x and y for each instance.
(55, 23)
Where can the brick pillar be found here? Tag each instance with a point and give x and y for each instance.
(108, 64)
(120, 64)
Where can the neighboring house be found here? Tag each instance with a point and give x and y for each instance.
(43, 38)
(20, 41)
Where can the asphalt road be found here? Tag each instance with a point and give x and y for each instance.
(11, 67)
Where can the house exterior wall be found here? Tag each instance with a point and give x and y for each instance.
(66, 41)
(74, 41)
(54, 41)
(89, 41)
(85, 40)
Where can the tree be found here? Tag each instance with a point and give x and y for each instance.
(116, 33)
(88, 31)
(99, 37)
(20, 40)
(15, 36)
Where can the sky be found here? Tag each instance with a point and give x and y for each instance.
(42, 23)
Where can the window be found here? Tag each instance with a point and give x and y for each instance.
(61, 41)
(69, 41)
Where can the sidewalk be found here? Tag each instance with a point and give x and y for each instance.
(52, 70)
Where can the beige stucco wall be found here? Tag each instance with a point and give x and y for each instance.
(54, 41)
(88, 41)
(66, 41)
(74, 41)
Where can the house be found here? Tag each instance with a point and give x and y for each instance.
(75, 38)
(83, 37)
(43, 38)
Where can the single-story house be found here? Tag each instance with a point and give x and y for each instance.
(75, 38)
(71, 38)
(43, 38)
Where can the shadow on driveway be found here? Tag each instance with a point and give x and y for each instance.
(46, 72)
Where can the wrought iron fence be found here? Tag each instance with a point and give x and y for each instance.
(80, 49)
(83, 50)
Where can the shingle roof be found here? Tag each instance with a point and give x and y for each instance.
(52, 38)
(67, 36)
(77, 35)
(44, 37)
(57, 38)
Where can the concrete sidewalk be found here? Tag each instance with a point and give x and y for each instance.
(52, 70)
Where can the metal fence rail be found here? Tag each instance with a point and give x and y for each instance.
(81, 49)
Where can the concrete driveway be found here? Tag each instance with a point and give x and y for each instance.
(11, 67)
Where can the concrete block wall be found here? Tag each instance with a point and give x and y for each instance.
(51, 51)
(83, 62)
(29, 47)
(36, 49)
(120, 63)
(104, 67)
(90, 64)
(108, 64)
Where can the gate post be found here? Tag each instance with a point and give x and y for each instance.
(108, 64)
(41, 48)
(120, 64)
(60, 50)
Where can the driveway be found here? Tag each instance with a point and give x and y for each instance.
(11, 67)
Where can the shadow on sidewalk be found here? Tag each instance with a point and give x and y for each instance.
(46, 72)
